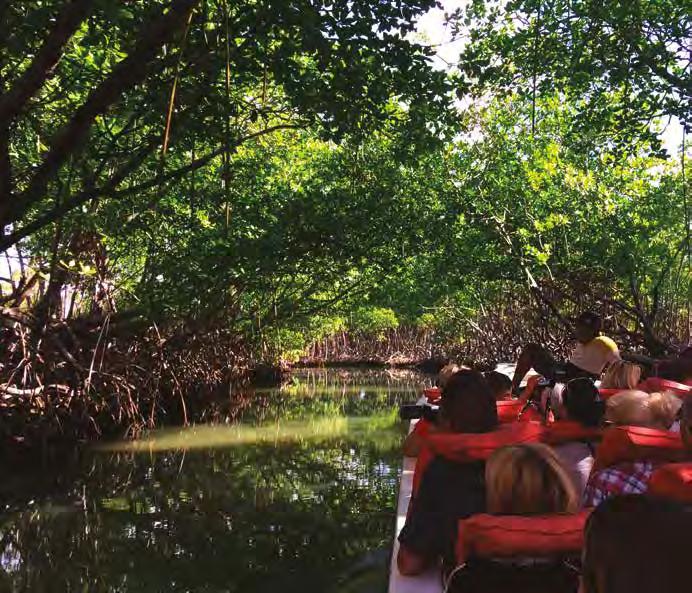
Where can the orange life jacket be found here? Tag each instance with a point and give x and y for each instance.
(636, 443)
(606, 393)
(566, 431)
(653, 384)
(432, 394)
(469, 447)
(509, 536)
(673, 481)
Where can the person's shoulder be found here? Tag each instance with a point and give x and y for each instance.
(606, 342)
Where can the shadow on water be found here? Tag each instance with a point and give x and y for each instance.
(298, 495)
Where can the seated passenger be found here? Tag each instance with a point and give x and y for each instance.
(638, 408)
(528, 479)
(633, 408)
(621, 375)
(412, 443)
(582, 404)
(500, 384)
(588, 359)
(637, 544)
(448, 491)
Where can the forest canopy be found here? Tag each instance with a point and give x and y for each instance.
(286, 171)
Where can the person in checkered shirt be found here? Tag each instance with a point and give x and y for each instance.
(633, 477)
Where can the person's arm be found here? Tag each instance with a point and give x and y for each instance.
(422, 538)
(412, 445)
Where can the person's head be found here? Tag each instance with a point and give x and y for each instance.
(445, 373)
(636, 544)
(582, 403)
(664, 408)
(638, 408)
(587, 326)
(621, 375)
(528, 479)
(468, 404)
(499, 383)
(686, 424)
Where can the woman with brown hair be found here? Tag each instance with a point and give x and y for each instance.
(448, 491)
(528, 479)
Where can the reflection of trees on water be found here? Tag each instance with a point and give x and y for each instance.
(314, 391)
(248, 519)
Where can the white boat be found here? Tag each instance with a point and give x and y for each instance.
(431, 580)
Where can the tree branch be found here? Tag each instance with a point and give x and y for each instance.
(109, 189)
(81, 198)
(124, 76)
(200, 162)
(14, 101)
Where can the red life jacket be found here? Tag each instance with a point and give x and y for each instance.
(606, 393)
(511, 536)
(636, 443)
(469, 447)
(567, 431)
(653, 384)
(508, 410)
(673, 481)
(432, 394)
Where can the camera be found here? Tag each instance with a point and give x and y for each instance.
(414, 411)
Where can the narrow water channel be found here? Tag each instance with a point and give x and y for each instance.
(296, 492)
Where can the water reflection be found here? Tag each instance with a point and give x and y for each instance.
(301, 492)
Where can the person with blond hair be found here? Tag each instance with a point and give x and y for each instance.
(621, 375)
(638, 408)
(631, 408)
(528, 479)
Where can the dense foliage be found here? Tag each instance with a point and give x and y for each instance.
(622, 64)
(243, 181)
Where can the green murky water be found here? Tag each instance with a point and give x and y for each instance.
(293, 491)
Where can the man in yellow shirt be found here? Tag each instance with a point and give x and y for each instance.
(588, 359)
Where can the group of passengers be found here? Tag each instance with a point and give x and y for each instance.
(534, 478)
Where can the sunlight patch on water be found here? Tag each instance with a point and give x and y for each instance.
(377, 430)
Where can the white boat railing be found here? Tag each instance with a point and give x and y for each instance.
(431, 580)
